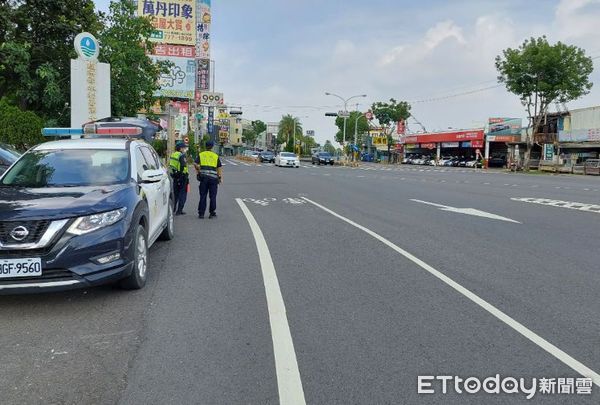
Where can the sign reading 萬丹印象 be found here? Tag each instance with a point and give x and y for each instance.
(174, 21)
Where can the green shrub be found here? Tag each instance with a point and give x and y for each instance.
(22, 129)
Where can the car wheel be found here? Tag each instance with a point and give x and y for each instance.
(168, 232)
(137, 278)
(313, 162)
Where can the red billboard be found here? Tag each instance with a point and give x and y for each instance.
(453, 136)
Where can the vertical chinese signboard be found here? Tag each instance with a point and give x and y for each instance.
(174, 21)
(203, 47)
(90, 82)
(203, 79)
(203, 30)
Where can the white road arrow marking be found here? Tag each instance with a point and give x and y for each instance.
(468, 211)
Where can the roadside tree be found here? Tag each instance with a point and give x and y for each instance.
(36, 45)
(287, 125)
(388, 115)
(542, 74)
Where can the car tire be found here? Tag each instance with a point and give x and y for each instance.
(169, 232)
(137, 279)
(312, 162)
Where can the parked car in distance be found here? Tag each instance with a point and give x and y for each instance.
(474, 163)
(322, 158)
(497, 161)
(266, 156)
(287, 159)
(8, 156)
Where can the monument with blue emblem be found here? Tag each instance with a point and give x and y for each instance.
(90, 82)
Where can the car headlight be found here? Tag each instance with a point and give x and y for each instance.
(89, 223)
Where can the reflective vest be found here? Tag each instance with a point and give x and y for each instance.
(175, 165)
(208, 164)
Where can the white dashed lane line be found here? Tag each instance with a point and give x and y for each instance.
(561, 204)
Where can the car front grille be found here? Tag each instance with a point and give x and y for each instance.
(47, 275)
(35, 231)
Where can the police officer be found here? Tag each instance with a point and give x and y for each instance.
(180, 175)
(210, 173)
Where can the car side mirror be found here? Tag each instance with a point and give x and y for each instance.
(152, 176)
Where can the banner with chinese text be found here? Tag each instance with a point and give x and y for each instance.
(174, 20)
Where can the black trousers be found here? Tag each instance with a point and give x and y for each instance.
(208, 188)
(180, 192)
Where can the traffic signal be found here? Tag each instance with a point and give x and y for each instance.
(331, 114)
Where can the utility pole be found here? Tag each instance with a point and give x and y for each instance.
(173, 111)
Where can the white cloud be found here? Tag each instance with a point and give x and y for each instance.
(411, 62)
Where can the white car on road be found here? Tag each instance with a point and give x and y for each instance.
(287, 159)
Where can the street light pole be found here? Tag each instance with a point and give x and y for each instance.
(345, 101)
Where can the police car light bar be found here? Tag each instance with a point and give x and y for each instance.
(61, 131)
(92, 129)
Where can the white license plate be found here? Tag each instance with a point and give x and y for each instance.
(30, 267)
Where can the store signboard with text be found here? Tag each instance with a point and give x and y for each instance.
(174, 21)
(180, 80)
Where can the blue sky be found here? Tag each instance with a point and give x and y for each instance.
(276, 57)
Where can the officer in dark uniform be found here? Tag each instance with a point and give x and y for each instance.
(180, 175)
(210, 174)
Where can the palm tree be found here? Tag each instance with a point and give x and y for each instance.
(286, 131)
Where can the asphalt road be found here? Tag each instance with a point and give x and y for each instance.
(366, 279)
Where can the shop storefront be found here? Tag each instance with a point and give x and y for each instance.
(578, 137)
(503, 136)
(466, 143)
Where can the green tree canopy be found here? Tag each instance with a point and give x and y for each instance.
(388, 114)
(36, 45)
(328, 147)
(125, 44)
(259, 126)
(249, 136)
(362, 127)
(542, 74)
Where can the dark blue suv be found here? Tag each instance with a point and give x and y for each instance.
(77, 213)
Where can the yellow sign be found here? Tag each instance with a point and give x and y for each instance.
(380, 140)
(174, 21)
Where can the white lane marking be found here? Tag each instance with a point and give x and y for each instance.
(467, 211)
(520, 328)
(560, 204)
(286, 366)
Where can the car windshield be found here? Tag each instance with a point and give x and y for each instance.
(325, 154)
(287, 154)
(69, 168)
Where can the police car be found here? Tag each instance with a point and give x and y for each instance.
(82, 212)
